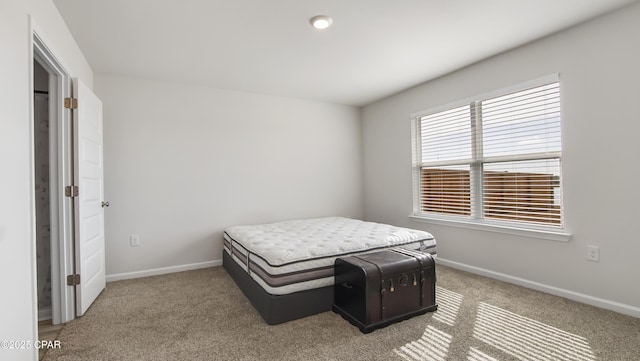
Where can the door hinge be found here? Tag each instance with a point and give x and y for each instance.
(73, 280)
(71, 191)
(71, 103)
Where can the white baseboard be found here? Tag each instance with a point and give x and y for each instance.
(162, 271)
(44, 313)
(575, 296)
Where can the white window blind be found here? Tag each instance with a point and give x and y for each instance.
(495, 158)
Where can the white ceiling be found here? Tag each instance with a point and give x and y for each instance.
(374, 48)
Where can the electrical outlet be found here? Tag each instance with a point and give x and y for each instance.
(593, 253)
(135, 240)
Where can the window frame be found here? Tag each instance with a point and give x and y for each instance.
(477, 220)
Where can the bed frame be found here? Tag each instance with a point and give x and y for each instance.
(276, 309)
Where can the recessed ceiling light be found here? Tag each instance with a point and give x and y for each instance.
(321, 22)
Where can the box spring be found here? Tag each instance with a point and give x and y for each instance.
(276, 309)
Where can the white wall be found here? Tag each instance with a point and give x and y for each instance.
(599, 66)
(18, 318)
(184, 162)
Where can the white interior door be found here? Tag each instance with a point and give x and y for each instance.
(89, 211)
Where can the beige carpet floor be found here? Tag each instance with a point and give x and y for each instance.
(202, 315)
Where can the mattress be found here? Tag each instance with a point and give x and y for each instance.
(293, 256)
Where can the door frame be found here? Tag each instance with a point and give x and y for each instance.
(61, 174)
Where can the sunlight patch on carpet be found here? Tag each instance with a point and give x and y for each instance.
(432, 346)
(448, 305)
(528, 339)
(477, 355)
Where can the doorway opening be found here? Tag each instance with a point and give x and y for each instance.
(41, 155)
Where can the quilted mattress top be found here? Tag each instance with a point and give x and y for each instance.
(291, 241)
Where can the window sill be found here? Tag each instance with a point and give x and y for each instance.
(542, 233)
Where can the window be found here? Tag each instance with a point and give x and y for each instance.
(496, 158)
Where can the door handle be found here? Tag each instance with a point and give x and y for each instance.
(105, 204)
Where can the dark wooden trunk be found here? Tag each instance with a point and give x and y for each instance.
(376, 289)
